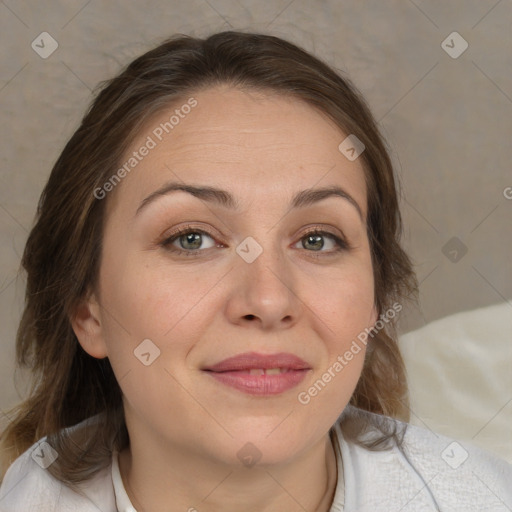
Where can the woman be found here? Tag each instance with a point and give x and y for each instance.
(213, 285)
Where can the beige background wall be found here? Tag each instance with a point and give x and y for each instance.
(448, 120)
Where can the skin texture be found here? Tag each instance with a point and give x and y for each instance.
(186, 428)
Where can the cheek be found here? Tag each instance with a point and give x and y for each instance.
(151, 300)
(171, 307)
(344, 298)
(144, 302)
(344, 305)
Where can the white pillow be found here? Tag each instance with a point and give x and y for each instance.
(460, 377)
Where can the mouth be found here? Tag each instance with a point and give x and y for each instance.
(259, 374)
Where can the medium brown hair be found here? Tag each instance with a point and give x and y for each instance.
(63, 251)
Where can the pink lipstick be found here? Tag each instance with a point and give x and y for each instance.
(259, 374)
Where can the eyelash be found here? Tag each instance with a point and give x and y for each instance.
(342, 245)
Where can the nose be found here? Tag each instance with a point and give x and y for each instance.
(264, 292)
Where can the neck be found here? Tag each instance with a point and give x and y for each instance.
(309, 483)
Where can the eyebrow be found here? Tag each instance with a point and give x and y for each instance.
(224, 198)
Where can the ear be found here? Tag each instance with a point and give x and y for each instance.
(86, 323)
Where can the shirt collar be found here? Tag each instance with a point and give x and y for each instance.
(123, 502)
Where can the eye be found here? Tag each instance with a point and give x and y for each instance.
(187, 241)
(313, 241)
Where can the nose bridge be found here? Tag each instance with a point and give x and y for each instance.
(263, 260)
(265, 279)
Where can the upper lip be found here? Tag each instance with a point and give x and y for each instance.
(253, 360)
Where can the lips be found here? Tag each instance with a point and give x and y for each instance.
(253, 361)
(260, 374)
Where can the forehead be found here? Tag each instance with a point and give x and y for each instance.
(253, 143)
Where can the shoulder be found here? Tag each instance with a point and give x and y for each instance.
(459, 472)
(426, 469)
(29, 487)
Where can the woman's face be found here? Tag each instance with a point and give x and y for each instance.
(253, 282)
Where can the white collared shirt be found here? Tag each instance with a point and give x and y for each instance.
(431, 473)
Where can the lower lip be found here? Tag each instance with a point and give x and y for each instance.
(262, 385)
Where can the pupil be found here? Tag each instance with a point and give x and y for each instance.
(192, 238)
(316, 238)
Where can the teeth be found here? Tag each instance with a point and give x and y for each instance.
(270, 371)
